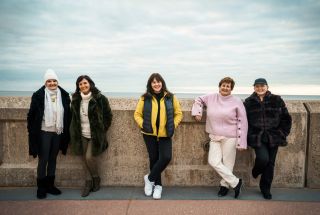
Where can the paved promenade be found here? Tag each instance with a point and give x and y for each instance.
(175, 200)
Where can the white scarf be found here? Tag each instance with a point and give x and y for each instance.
(48, 110)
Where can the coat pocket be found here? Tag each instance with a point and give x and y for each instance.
(277, 138)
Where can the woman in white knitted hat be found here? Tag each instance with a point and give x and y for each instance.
(48, 126)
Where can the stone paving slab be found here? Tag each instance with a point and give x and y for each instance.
(227, 207)
(167, 207)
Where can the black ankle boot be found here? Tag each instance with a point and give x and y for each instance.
(42, 190)
(265, 190)
(237, 189)
(87, 188)
(266, 194)
(223, 191)
(96, 183)
(50, 186)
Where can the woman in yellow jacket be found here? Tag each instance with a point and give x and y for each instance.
(158, 113)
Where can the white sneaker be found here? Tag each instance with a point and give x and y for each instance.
(157, 192)
(148, 186)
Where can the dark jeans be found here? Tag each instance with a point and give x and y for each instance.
(264, 165)
(160, 154)
(48, 154)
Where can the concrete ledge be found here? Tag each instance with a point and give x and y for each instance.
(125, 162)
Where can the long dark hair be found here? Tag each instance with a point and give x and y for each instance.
(93, 87)
(159, 78)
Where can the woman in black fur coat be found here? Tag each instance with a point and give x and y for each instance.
(269, 125)
(48, 127)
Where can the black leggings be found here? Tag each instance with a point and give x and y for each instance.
(48, 154)
(160, 154)
(264, 165)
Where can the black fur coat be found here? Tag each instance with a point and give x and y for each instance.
(270, 116)
(35, 117)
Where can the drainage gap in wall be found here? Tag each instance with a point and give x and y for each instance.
(308, 142)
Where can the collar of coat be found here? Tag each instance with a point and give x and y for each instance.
(40, 93)
(77, 96)
(76, 99)
(149, 95)
(254, 96)
(268, 98)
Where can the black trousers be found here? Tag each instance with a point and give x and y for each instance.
(264, 165)
(160, 154)
(48, 154)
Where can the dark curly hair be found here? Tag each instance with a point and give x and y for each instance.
(93, 87)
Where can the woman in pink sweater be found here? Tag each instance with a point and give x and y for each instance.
(227, 126)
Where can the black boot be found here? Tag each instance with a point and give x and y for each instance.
(223, 191)
(265, 190)
(87, 188)
(50, 186)
(266, 194)
(96, 184)
(237, 189)
(42, 190)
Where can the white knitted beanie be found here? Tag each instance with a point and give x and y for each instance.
(50, 74)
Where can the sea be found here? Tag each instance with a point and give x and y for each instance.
(136, 95)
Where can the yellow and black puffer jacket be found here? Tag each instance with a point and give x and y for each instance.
(147, 111)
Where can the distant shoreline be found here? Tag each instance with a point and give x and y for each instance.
(179, 95)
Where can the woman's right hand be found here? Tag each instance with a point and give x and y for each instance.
(198, 118)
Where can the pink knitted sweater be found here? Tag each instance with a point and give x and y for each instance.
(226, 116)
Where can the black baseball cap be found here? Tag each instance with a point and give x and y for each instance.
(260, 81)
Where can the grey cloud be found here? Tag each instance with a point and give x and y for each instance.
(124, 41)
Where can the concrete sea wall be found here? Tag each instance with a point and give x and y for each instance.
(125, 162)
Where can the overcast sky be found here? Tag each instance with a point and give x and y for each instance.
(192, 43)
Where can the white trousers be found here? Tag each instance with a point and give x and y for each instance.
(222, 156)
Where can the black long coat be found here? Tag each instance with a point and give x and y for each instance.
(35, 117)
(270, 116)
(100, 117)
